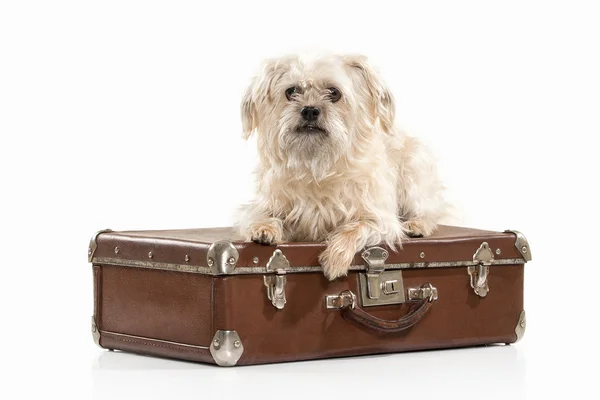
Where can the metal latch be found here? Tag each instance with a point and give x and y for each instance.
(275, 283)
(375, 259)
(479, 273)
(390, 287)
(276, 289)
(377, 286)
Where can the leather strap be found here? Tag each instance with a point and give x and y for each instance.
(364, 318)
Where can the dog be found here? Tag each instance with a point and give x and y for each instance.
(333, 166)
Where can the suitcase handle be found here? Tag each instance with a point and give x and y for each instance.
(351, 312)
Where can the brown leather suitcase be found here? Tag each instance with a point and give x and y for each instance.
(202, 295)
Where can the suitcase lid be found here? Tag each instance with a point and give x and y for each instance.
(218, 251)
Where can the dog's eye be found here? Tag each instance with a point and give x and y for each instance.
(290, 92)
(334, 94)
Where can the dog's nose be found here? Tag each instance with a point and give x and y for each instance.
(310, 113)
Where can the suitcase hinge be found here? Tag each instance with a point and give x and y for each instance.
(377, 286)
(275, 283)
(483, 257)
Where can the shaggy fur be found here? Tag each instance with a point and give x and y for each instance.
(352, 180)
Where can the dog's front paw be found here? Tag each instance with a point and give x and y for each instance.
(334, 266)
(418, 228)
(268, 232)
(338, 256)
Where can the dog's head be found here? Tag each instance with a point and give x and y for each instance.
(309, 113)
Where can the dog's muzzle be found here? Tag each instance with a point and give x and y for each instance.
(309, 121)
(309, 129)
(310, 114)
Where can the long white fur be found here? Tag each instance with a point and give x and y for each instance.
(363, 183)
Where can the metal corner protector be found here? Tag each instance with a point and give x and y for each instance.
(94, 243)
(226, 348)
(521, 325)
(95, 332)
(521, 244)
(222, 257)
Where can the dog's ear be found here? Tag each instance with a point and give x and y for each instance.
(249, 113)
(258, 93)
(384, 106)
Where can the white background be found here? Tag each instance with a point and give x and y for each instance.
(125, 115)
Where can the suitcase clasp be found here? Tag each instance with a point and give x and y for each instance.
(276, 283)
(375, 259)
(483, 257)
(276, 289)
(377, 286)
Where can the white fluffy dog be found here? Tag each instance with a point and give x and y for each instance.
(332, 165)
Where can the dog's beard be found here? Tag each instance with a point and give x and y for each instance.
(313, 148)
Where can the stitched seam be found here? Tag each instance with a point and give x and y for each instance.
(213, 305)
(97, 295)
(95, 278)
(166, 346)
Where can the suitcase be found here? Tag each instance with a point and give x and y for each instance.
(204, 295)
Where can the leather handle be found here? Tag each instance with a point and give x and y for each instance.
(360, 316)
